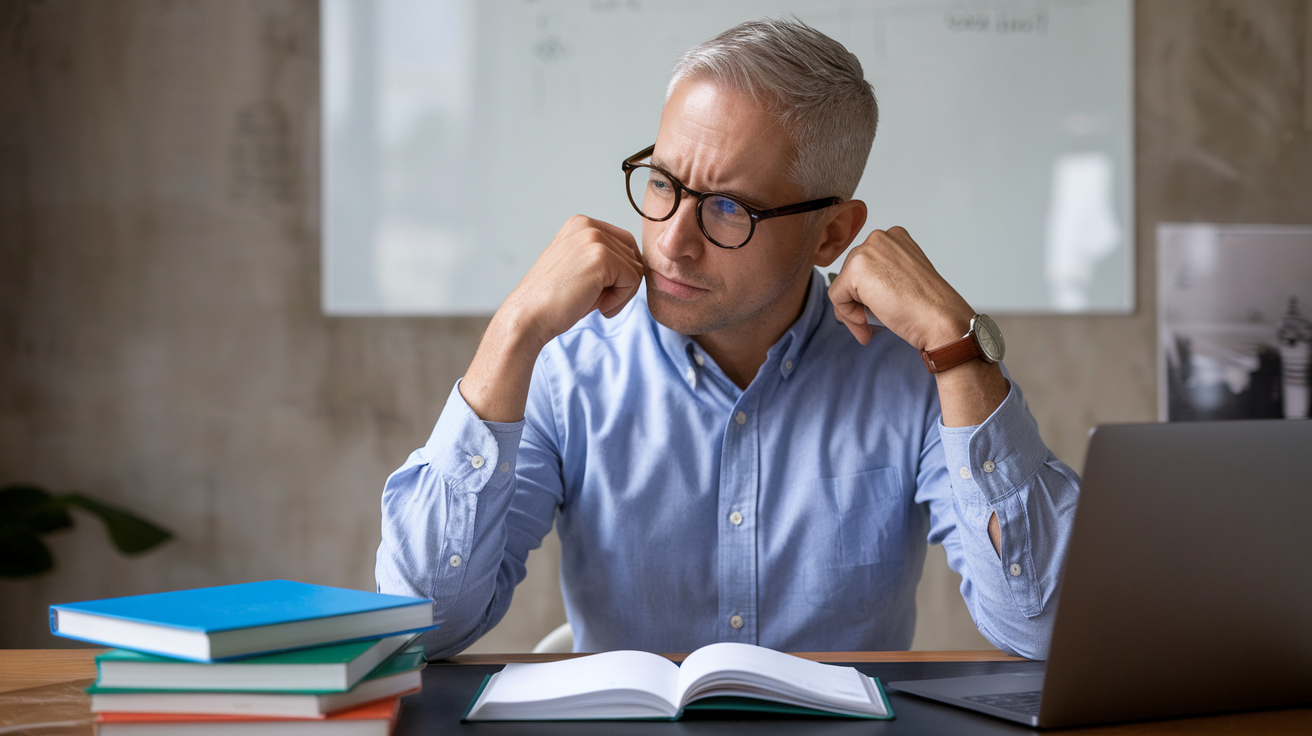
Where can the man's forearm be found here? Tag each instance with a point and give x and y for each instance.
(1009, 523)
(443, 524)
(496, 385)
(970, 393)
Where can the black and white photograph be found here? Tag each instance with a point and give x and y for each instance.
(1234, 321)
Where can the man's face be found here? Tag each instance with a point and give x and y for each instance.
(714, 139)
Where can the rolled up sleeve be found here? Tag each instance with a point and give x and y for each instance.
(443, 533)
(1003, 467)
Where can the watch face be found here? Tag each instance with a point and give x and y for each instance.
(989, 338)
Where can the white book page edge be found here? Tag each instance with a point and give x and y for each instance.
(728, 663)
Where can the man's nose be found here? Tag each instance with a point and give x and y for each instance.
(681, 236)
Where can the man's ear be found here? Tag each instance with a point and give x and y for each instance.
(842, 228)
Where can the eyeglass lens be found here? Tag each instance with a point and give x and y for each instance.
(725, 221)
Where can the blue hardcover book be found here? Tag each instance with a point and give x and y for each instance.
(230, 621)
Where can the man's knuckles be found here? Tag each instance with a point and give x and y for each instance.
(579, 222)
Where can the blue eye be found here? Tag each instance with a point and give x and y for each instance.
(725, 207)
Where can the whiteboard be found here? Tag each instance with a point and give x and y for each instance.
(459, 135)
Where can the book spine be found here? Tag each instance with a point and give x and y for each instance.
(54, 620)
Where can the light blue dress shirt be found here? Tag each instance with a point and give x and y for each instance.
(793, 514)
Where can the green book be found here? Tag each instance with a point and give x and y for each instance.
(399, 675)
(644, 686)
(333, 668)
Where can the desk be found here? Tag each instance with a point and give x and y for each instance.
(45, 686)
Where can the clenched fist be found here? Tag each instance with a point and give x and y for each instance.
(589, 265)
(891, 275)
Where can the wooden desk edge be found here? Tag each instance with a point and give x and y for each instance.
(24, 668)
(964, 655)
(41, 666)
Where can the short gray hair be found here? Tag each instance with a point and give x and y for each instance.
(809, 82)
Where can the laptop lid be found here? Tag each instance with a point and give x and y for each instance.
(1188, 583)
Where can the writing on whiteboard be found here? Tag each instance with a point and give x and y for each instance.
(1001, 22)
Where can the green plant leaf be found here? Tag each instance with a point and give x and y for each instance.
(22, 553)
(32, 508)
(130, 533)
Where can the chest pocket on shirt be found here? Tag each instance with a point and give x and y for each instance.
(870, 517)
(872, 523)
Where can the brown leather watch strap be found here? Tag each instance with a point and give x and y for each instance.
(951, 355)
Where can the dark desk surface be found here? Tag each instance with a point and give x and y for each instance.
(448, 688)
(46, 687)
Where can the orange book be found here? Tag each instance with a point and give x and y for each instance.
(372, 719)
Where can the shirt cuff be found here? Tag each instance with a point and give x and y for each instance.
(468, 450)
(1000, 454)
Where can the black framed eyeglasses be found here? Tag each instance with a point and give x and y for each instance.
(724, 219)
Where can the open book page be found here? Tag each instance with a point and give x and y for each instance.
(730, 669)
(623, 684)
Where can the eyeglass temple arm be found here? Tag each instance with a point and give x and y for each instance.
(793, 209)
(640, 155)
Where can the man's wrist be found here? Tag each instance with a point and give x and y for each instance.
(496, 384)
(970, 393)
(515, 332)
(947, 328)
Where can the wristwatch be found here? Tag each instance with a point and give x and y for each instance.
(984, 341)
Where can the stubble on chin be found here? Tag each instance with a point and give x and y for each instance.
(683, 318)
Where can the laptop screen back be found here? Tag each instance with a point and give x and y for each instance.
(1188, 585)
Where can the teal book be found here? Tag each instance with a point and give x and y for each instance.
(331, 668)
(229, 621)
(399, 675)
(628, 685)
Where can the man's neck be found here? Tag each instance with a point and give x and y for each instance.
(741, 350)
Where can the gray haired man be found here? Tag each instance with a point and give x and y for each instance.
(724, 459)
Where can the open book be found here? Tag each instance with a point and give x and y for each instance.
(626, 684)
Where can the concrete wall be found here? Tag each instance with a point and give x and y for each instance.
(161, 344)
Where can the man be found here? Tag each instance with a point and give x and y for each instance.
(734, 455)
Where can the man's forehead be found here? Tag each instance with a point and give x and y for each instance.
(718, 135)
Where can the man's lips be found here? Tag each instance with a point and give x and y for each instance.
(676, 288)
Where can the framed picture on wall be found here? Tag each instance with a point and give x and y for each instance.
(1234, 321)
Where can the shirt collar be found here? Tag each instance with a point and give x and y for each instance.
(785, 354)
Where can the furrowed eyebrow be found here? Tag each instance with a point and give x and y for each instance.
(746, 199)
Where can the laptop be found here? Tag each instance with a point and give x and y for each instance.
(1187, 587)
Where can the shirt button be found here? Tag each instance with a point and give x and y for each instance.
(736, 621)
(735, 518)
(691, 374)
(505, 467)
(1014, 570)
(455, 560)
(965, 472)
(989, 466)
(476, 461)
(741, 418)
(698, 357)
(788, 366)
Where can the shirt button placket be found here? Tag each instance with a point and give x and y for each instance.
(739, 488)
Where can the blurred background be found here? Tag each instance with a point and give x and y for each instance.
(163, 346)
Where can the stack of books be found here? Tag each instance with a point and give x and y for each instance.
(275, 657)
